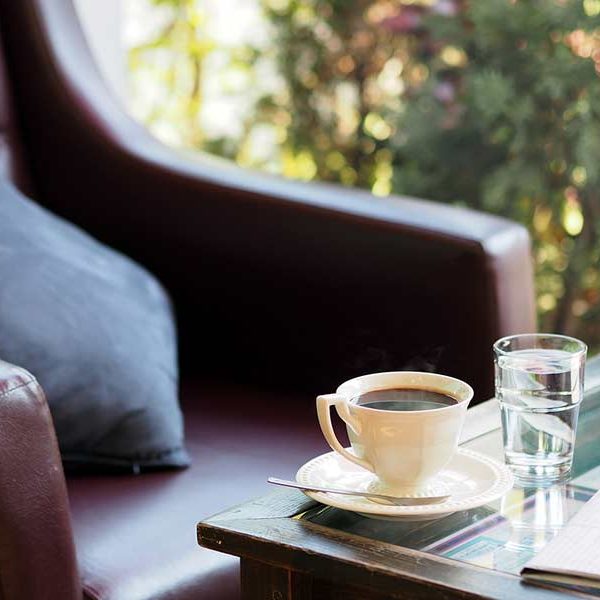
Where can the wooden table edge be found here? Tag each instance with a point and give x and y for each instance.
(251, 529)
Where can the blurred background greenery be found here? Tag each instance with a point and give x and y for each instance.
(492, 104)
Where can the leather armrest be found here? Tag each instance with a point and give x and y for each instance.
(274, 279)
(37, 554)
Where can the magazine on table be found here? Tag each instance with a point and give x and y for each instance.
(571, 559)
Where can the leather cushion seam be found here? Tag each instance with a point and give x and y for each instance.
(18, 387)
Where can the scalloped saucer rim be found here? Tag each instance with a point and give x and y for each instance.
(473, 479)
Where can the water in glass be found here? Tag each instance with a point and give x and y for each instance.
(539, 391)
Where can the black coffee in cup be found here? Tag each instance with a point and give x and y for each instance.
(404, 399)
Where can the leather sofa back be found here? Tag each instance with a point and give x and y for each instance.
(279, 282)
(12, 158)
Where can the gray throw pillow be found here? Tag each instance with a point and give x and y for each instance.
(97, 332)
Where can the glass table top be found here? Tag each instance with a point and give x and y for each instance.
(506, 534)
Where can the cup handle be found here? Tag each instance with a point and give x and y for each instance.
(324, 403)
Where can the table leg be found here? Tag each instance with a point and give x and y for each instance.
(265, 582)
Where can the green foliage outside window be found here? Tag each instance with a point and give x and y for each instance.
(493, 104)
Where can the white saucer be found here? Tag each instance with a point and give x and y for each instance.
(472, 479)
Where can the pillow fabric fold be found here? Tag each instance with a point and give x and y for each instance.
(97, 331)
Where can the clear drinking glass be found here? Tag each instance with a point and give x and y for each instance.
(539, 384)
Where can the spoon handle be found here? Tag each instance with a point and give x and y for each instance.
(402, 501)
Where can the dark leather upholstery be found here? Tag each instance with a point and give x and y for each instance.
(135, 536)
(275, 277)
(12, 159)
(37, 555)
(285, 285)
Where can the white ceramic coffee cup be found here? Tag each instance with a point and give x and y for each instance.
(405, 449)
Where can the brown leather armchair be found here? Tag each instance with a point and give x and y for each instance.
(282, 291)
